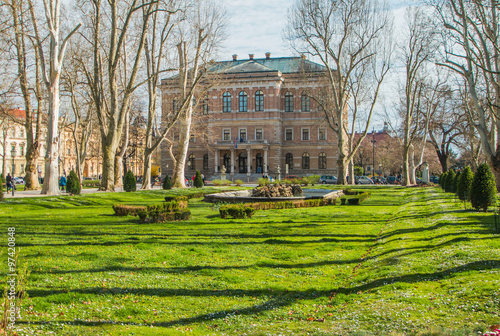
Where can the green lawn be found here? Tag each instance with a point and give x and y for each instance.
(405, 262)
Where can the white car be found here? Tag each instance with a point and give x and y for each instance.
(364, 180)
(18, 180)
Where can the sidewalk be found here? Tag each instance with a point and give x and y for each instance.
(36, 193)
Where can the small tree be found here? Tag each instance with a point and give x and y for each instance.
(442, 180)
(483, 188)
(455, 182)
(464, 184)
(167, 184)
(73, 184)
(129, 184)
(198, 181)
(449, 181)
(358, 171)
(1, 187)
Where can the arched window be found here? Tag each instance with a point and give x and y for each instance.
(306, 102)
(205, 162)
(191, 162)
(226, 102)
(289, 160)
(259, 101)
(288, 102)
(305, 161)
(243, 100)
(322, 161)
(13, 132)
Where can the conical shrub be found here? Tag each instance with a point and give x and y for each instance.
(129, 184)
(483, 188)
(73, 184)
(198, 181)
(455, 182)
(442, 180)
(167, 183)
(449, 181)
(464, 184)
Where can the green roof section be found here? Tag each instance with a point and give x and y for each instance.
(281, 64)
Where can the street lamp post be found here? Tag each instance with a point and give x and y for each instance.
(13, 155)
(380, 169)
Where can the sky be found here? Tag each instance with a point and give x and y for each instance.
(256, 27)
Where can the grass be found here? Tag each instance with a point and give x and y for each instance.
(405, 262)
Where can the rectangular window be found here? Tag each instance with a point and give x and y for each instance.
(22, 151)
(205, 137)
(192, 138)
(289, 134)
(226, 134)
(259, 134)
(305, 134)
(321, 134)
(243, 134)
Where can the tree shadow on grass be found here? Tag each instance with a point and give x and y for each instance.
(275, 299)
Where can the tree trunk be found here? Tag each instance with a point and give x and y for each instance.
(51, 178)
(108, 169)
(118, 171)
(443, 160)
(146, 176)
(406, 165)
(178, 178)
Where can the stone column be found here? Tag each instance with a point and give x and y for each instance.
(249, 161)
(232, 161)
(265, 160)
(216, 160)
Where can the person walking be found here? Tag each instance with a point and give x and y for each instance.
(62, 182)
(8, 182)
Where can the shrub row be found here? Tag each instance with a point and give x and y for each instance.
(167, 207)
(352, 192)
(91, 183)
(236, 211)
(124, 210)
(157, 216)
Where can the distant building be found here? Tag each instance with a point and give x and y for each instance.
(258, 116)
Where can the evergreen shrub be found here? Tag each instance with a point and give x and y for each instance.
(483, 188)
(198, 181)
(449, 181)
(73, 184)
(464, 184)
(129, 184)
(167, 183)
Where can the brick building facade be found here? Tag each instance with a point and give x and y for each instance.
(260, 115)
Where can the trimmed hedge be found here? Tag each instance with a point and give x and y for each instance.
(124, 210)
(167, 183)
(483, 188)
(198, 181)
(91, 183)
(236, 210)
(156, 216)
(358, 200)
(129, 183)
(464, 185)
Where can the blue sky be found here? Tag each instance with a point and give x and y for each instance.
(256, 26)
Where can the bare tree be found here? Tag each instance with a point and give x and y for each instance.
(198, 38)
(51, 74)
(471, 35)
(417, 49)
(112, 37)
(347, 37)
(21, 28)
(163, 22)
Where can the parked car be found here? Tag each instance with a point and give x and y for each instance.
(291, 177)
(328, 179)
(434, 179)
(18, 180)
(364, 180)
(379, 180)
(392, 180)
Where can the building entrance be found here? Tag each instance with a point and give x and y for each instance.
(242, 161)
(259, 163)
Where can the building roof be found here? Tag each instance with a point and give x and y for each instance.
(281, 64)
(17, 114)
